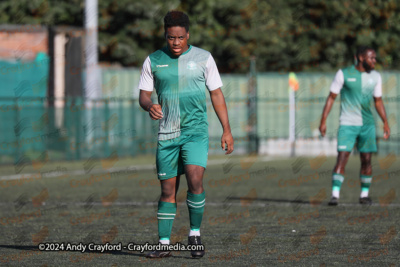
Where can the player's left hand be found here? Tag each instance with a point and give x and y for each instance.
(386, 131)
(322, 129)
(228, 140)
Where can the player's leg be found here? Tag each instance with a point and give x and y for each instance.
(347, 136)
(167, 162)
(365, 177)
(169, 189)
(195, 197)
(338, 176)
(166, 214)
(167, 208)
(194, 155)
(196, 200)
(366, 145)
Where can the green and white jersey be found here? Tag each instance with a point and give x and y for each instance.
(356, 91)
(180, 83)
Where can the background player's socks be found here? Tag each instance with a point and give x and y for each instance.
(337, 180)
(365, 183)
(165, 215)
(196, 203)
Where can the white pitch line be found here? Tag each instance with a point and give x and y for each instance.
(127, 169)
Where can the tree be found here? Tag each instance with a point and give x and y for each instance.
(292, 35)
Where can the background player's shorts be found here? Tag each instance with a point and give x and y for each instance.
(173, 154)
(364, 135)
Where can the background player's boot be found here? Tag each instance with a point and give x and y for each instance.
(365, 200)
(159, 254)
(334, 201)
(195, 240)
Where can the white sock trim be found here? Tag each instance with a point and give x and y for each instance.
(193, 232)
(335, 193)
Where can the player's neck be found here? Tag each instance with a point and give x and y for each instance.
(186, 49)
(360, 68)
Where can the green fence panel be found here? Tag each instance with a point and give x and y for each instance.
(23, 89)
(116, 126)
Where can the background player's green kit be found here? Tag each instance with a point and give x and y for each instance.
(356, 121)
(181, 83)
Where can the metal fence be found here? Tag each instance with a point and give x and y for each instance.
(115, 125)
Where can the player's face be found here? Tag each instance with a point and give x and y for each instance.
(369, 60)
(177, 38)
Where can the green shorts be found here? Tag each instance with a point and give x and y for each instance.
(172, 155)
(364, 135)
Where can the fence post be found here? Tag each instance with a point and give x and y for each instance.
(293, 87)
(18, 146)
(252, 109)
(106, 126)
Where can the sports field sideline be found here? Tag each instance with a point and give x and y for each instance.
(260, 211)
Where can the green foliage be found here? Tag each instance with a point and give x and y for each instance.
(292, 35)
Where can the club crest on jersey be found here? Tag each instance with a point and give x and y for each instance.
(191, 65)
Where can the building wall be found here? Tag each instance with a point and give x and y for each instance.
(22, 45)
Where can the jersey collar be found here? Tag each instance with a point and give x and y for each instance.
(187, 51)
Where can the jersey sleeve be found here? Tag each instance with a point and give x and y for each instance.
(378, 87)
(146, 81)
(337, 83)
(213, 80)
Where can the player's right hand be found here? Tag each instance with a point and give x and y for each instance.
(155, 112)
(386, 131)
(322, 129)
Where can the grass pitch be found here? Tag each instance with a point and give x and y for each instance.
(259, 212)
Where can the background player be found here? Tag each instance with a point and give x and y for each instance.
(180, 74)
(356, 85)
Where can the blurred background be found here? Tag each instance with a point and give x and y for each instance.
(69, 72)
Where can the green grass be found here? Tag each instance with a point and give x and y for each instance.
(252, 216)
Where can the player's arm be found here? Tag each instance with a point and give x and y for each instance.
(380, 108)
(335, 89)
(328, 106)
(145, 102)
(218, 102)
(146, 86)
(214, 83)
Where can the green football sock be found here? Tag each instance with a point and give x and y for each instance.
(337, 180)
(196, 203)
(365, 184)
(165, 215)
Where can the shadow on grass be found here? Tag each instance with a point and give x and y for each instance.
(297, 201)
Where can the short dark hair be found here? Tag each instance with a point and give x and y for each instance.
(176, 18)
(361, 50)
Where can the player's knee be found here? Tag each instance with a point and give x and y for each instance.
(366, 168)
(339, 169)
(167, 194)
(196, 191)
(366, 165)
(196, 188)
(366, 161)
(165, 198)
